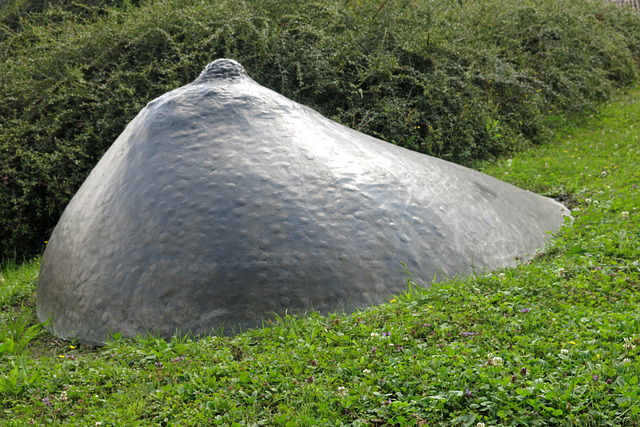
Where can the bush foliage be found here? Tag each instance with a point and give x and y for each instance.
(461, 80)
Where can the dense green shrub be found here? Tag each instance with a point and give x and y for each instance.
(14, 13)
(457, 79)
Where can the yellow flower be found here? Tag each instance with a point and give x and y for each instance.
(393, 300)
(61, 356)
(71, 346)
(572, 342)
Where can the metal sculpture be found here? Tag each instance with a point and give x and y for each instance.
(223, 202)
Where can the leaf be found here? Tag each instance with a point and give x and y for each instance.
(438, 397)
(622, 401)
(576, 250)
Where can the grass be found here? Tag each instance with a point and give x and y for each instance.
(551, 342)
(16, 283)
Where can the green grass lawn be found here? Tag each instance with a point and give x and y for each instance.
(551, 342)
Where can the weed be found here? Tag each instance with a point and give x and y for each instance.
(18, 333)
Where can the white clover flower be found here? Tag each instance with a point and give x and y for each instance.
(63, 396)
(587, 201)
(626, 360)
(561, 272)
(497, 360)
(342, 391)
(628, 344)
(604, 173)
(564, 351)
(375, 334)
(624, 214)
(366, 372)
(480, 424)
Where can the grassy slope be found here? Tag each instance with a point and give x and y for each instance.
(552, 342)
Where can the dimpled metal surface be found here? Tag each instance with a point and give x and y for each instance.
(223, 202)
